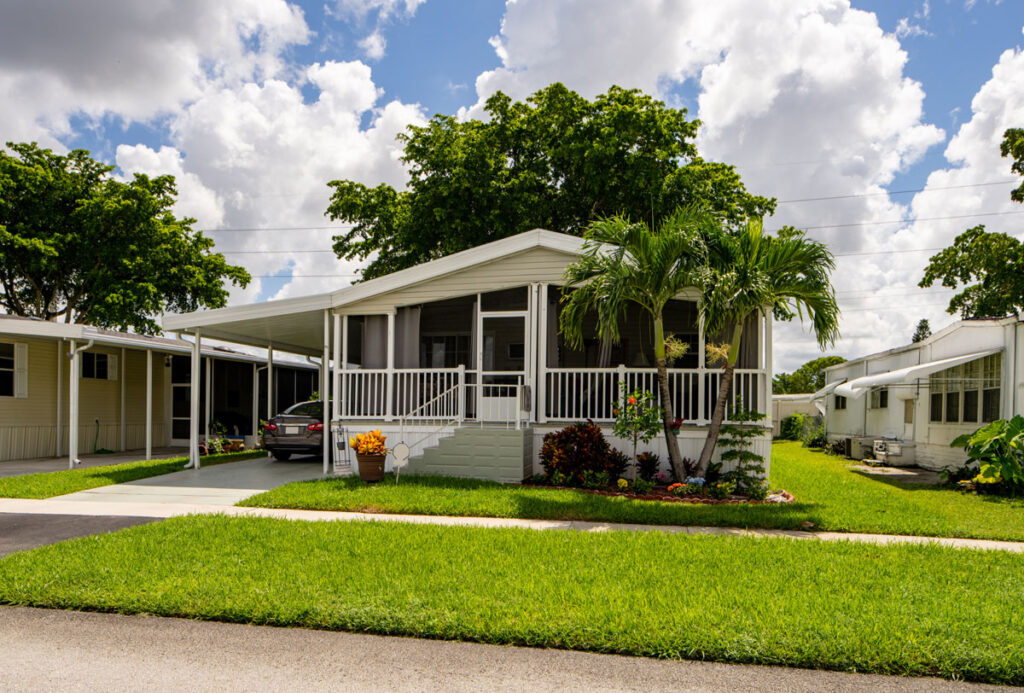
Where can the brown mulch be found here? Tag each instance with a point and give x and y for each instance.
(663, 495)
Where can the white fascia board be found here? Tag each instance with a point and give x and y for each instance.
(449, 264)
(189, 322)
(858, 386)
(40, 328)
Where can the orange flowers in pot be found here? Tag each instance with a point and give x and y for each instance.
(371, 443)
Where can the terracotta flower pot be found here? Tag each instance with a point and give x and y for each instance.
(371, 467)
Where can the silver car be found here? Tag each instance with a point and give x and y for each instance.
(299, 430)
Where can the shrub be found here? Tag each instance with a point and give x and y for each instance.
(578, 448)
(595, 480)
(647, 465)
(998, 451)
(814, 436)
(721, 490)
(737, 438)
(642, 487)
(791, 427)
(622, 484)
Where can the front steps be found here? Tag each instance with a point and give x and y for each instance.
(474, 452)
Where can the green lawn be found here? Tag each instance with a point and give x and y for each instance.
(829, 495)
(49, 484)
(911, 610)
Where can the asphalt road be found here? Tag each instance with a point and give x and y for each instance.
(21, 531)
(71, 651)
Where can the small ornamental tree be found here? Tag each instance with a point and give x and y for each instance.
(737, 438)
(637, 418)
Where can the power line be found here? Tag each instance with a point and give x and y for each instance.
(896, 192)
(911, 221)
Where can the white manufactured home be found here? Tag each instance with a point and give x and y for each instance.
(462, 359)
(907, 405)
(70, 389)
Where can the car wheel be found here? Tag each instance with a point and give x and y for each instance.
(281, 456)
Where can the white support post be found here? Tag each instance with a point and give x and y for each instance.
(59, 438)
(194, 386)
(209, 401)
(702, 410)
(270, 382)
(73, 375)
(343, 395)
(325, 393)
(124, 397)
(542, 355)
(149, 404)
(530, 362)
(462, 392)
(255, 403)
(768, 367)
(389, 413)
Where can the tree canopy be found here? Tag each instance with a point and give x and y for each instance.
(79, 244)
(990, 266)
(809, 377)
(556, 161)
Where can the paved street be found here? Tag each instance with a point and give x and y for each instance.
(70, 651)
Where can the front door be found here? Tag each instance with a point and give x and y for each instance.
(502, 361)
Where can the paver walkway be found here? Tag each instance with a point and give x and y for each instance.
(69, 505)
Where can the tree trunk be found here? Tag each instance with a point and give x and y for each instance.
(718, 416)
(671, 442)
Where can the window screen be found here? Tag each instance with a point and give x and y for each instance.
(6, 370)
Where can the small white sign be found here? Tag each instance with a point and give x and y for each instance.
(400, 453)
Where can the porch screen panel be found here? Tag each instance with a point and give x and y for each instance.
(407, 338)
(375, 341)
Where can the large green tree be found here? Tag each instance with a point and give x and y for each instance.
(809, 377)
(628, 266)
(77, 244)
(752, 273)
(556, 161)
(989, 266)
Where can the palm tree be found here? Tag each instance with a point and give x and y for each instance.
(629, 264)
(751, 272)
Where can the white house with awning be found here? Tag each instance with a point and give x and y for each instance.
(471, 340)
(922, 396)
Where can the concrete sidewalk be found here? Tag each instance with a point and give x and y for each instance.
(68, 505)
(73, 651)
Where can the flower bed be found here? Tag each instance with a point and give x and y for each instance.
(662, 494)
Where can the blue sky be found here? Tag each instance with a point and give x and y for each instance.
(255, 104)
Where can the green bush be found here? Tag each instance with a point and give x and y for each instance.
(647, 465)
(814, 436)
(998, 451)
(642, 487)
(791, 427)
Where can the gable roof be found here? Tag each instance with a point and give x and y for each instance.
(293, 324)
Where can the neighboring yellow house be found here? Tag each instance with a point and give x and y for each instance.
(133, 391)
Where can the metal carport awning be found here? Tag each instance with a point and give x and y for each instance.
(901, 376)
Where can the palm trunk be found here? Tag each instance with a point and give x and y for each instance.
(668, 416)
(718, 416)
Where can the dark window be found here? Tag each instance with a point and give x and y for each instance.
(935, 414)
(181, 372)
(6, 370)
(952, 407)
(94, 366)
(180, 429)
(516, 351)
(883, 399)
(311, 409)
(970, 405)
(840, 402)
(509, 299)
(990, 405)
(444, 351)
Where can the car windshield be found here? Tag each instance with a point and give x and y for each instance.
(312, 409)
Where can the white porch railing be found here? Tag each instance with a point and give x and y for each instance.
(570, 394)
(575, 394)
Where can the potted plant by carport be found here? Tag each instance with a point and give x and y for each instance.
(370, 454)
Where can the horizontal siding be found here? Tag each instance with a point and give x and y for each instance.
(40, 407)
(535, 265)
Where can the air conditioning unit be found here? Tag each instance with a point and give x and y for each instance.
(859, 447)
(894, 453)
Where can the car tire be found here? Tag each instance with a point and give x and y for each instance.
(282, 456)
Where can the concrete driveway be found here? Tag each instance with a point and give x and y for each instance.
(56, 464)
(222, 484)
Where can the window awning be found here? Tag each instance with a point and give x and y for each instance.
(827, 390)
(858, 386)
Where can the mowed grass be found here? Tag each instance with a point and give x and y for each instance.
(829, 496)
(911, 610)
(49, 484)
